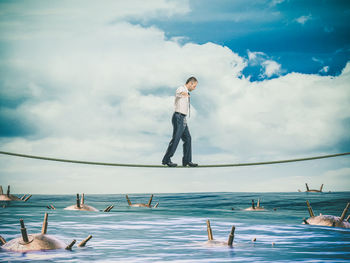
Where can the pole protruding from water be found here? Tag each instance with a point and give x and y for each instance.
(23, 196)
(83, 243)
(2, 241)
(27, 198)
(156, 205)
(78, 201)
(108, 208)
(258, 204)
(210, 233)
(348, 218)
(150, 200)
(8, 191)
(231, 236)
(321, 188)
(253, 205)
(305, 222)
(1, 191)
(344, 212)
(44, 227)
(69, 247)
(127, 199)
(307, 187)
(82, 199)
(311, 212)
(24, 231)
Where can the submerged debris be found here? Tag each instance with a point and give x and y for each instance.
(142, 205)
(328, 220)
(35, 242)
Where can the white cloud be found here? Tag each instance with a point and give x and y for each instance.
(325, 69)
(271, 68)
(303, 19)
(104, 92)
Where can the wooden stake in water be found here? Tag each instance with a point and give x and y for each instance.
(321, 188)
(253, 205)
(210, 233)
(2, 240)
(27, 198)
(23, 196)
(83, 243)
(44, 227)
(156, 205)
(78, 202)
(82, 199)
(8, 191)
(310, 209)
(127, 198)
(69, 247)
(307, 187)
(344, 212)
(150, 200)
(1, 191)
(24, 231)
(231, 236)
(258, 204)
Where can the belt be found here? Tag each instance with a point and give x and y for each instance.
(180, 113)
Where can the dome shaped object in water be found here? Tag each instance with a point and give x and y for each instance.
(39, 241)
(328, 220)
(142, 205)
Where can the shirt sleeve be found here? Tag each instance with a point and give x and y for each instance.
(179, 90)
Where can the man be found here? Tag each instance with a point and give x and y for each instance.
(180, 128)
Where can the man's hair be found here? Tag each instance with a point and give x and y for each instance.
(191, 79)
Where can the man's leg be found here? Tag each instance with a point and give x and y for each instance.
(178, 129)
(187, 146)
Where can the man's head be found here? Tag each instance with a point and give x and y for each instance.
(191, 83)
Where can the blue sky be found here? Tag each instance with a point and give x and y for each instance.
(97, 83)
(302, 36)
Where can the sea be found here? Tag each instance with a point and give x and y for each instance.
(176, 231)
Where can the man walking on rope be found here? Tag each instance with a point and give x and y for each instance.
(180, 128)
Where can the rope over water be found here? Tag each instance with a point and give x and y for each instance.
(163, 166)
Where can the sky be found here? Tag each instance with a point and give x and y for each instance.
(95, 81)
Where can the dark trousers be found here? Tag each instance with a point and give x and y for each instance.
(180, 131)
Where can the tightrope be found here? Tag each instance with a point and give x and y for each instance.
(163, 166)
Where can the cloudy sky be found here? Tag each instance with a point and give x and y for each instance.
(95, 81)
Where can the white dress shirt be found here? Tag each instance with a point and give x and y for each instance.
(181, 102)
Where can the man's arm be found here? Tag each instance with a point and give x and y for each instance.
(185, 94)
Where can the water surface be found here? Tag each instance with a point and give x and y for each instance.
(176, 230)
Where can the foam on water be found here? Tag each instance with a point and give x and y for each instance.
(176, 230)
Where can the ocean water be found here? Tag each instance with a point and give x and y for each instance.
(176, 230)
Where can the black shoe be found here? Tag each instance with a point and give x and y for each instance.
(191, 164)
(170, 164)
